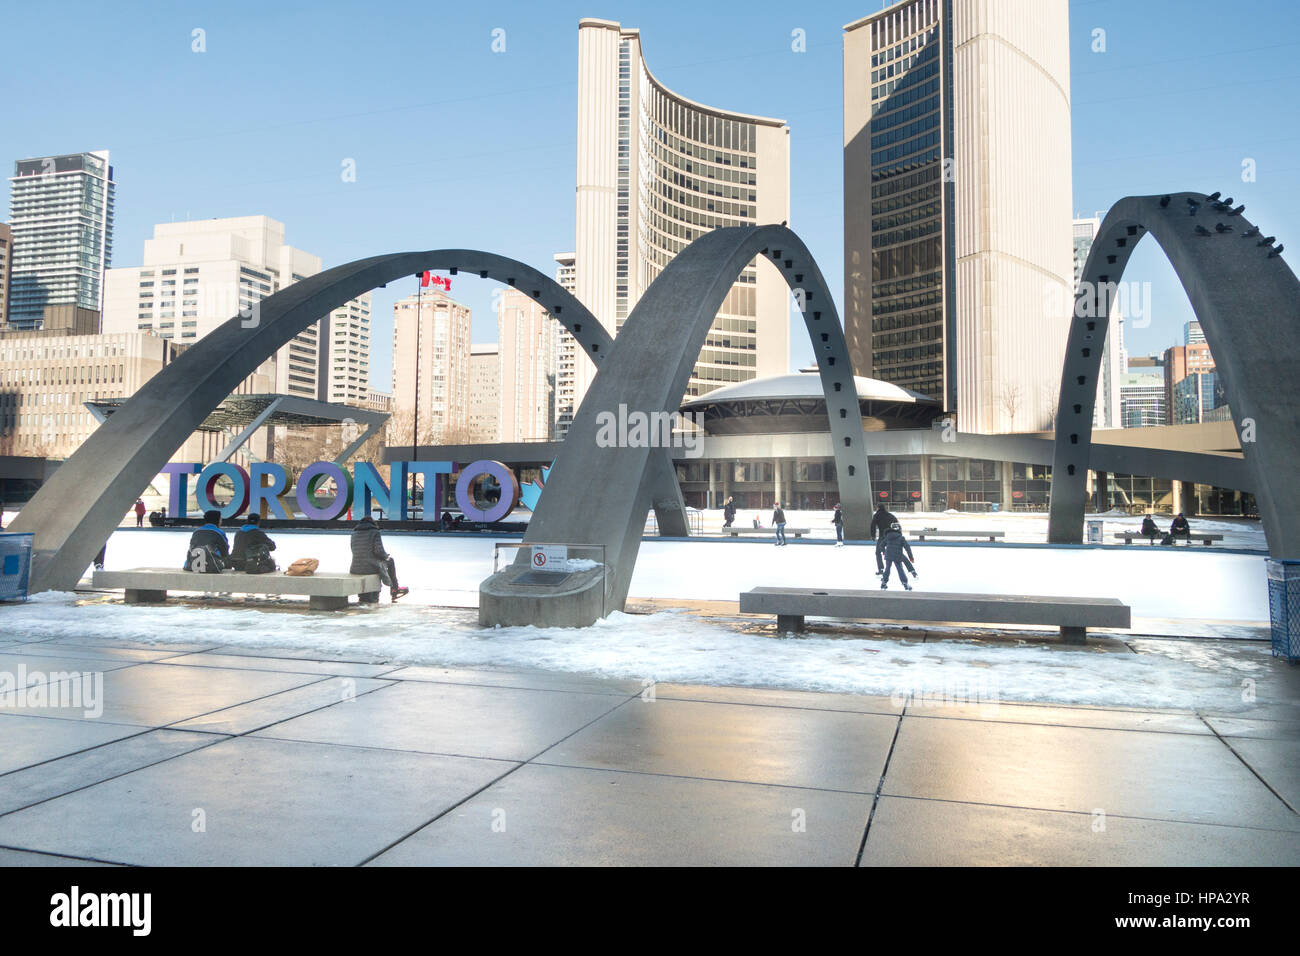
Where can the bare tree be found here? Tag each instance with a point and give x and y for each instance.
(1010, 399)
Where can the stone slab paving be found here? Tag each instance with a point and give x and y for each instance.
(220, 755)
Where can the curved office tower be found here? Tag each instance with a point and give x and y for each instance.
(957, 205)
(655, 172)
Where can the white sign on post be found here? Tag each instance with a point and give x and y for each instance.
(547, 556)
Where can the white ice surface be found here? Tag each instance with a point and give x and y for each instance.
(1172, 591)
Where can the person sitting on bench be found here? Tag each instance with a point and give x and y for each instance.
(369, 557)
(1149, 529)
(252, 551)
(209, 552)
(1179, 527)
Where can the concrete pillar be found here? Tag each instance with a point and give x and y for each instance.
(1103, 491)
(713, 492)
(925, 482)
(726, 467)
(1178, 495)
(1007, 501)
(777, 489)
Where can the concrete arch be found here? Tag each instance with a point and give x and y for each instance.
(597, 494)
(81, 504)
(1248, 303)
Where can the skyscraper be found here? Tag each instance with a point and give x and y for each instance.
(484, 416)
(431, 349)
(655, 172)
(61, 214)
(957, 204)
(344, 376)
(526, 337)
(197, 275)
(6, 267)
(567, 355)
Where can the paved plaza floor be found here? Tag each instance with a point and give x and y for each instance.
(207, 755)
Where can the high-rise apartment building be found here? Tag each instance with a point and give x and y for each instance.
(484, 419)
(6, 265)
(1181, 361)
(345, 354)
(197, 275)
(526, 335)
(1106, 412)
(1193, 334)
(957, 204)
(61, 215)
(655, 172)
(431, 348)
(567, 354)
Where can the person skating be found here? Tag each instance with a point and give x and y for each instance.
(252, 551)
(895, 547)
(1149, 529)
(369, 557)
(728, 512)
(838, 521)
(880, 523)
(139, 512)
(778, 522)
(209, 552)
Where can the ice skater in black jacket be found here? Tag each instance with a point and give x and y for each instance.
(880, 522)
(896, 552)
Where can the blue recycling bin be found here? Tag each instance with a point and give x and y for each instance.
(15, 565)
(1284, 607)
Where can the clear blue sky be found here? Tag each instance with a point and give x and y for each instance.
(436, 122)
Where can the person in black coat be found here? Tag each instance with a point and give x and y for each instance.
(1149, 529)
(728, 512)
(896, 551)
(1179, 527)
(253, 547)
(778, 522)
(880, 523)
(209, 552)
(369, 557)
(838, 521)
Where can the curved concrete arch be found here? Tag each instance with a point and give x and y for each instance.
(648, 372)
(1248, 303)
(84, 500)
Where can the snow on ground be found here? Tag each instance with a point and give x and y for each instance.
(676, 646)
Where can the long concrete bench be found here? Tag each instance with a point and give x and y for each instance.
(769, 532)
(1073, 615)
(1206, 539)
(325, 592)
(935, 533)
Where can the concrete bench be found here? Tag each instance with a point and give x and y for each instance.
(770, 532)
(934, 533)
(325, 592)
(1206, 539)
(1073, 615)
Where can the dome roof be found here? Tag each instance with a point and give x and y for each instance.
(803, 384)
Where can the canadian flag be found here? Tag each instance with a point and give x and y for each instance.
(428, 278)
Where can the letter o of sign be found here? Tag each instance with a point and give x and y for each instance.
(504, 477)
(207, 484)
(312, 476)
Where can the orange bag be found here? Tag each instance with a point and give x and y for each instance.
(302, 567)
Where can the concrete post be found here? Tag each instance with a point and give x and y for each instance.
(777, 489)
(925, 482)
(713, 493)
(1007, 501)
(1178, 495)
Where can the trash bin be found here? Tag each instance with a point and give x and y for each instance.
(15, 565)
(1095, 535)
(1284, 607)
